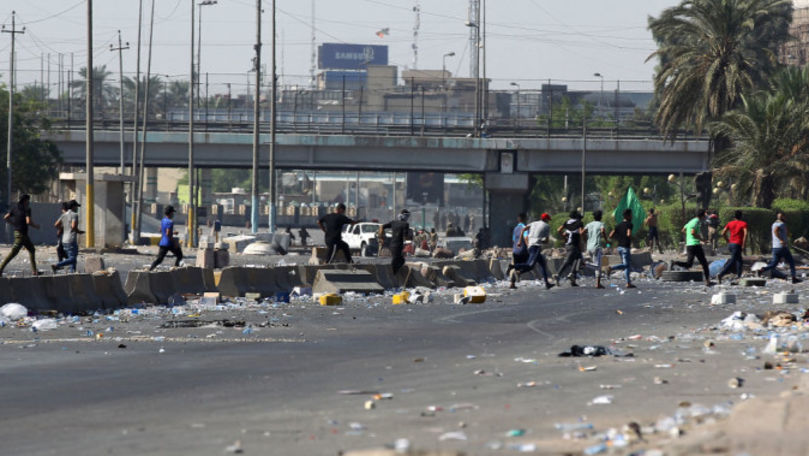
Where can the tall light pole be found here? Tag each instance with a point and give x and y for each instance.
(120, 50)
(10, 142)
(88, 134)
(473, 23)
(133, 190)
(272, 127)
(199, 43)
(192, 208)
(143, 143)
(517, 117)
(601, 95)
(254, 210)
(444, 65)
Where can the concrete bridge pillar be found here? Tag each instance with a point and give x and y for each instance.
(206, 182)
(508, 196)
(150, 195)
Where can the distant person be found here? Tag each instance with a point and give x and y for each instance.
(622, 233)
(780, 247)
(471, 222)
(693, 246)
(332, 226)
(519, 250)
(68, 223)
(737, 229)
(304, 235)
(713, 229)
(572, 230)
(291, 236)
(19, 216)
(653, 238)
(451, 230)
(433, 240)
(61, 254)
(538, 234)
(595, 234)
(400, 231)
(167, 242)
(466, 222)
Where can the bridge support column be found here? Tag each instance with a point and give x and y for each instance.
(206, 186)
(508, 196)
(151, 186)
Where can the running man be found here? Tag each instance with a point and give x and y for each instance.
(167, 243)
(538, 233)
(572, 230)
(595, 233)
(20, 218)
(400, 231)
(780, 247)
(623, 236)
(737, 229)
(332, 225)
(519, 251)
(68, 224)
(653, 238)
(693, 246)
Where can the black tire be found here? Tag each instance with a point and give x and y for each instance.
(682, 276)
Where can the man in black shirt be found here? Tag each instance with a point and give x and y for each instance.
(572, 230)
(400, 231)
(623, 236)
(20, 218)
(332, 225)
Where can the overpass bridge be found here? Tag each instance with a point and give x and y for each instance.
(452, 154)
(505, 162)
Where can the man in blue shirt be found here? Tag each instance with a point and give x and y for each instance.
(519, 251)
(167, 242)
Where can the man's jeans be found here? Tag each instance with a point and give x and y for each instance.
(778, 254)
(626, 261)
(72, 257)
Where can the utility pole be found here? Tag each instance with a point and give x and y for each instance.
(10, 142)
(69, 91)
(583, 158)
(199, 44)
(272, 128)
(192, 208)
(133, 190)
(254, 212)
(120, 50)
(88, 128)
(142, 153)
(313, 50)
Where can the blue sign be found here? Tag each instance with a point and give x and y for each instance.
(337, 56)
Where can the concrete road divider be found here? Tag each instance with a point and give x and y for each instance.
(457, 277)
(496, 269)
(341, 281)
(70, 293)
(308, 273)
(411, 275)
(383, 273)
(682, 276)
(157, 287)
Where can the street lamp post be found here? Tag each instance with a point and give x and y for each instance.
(476, 56)
(601, 95)
(121, 48)
(517, 117)
(444, 65)
(199, 47)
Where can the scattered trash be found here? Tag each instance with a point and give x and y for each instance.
(401, 298)
(515, 433)
(14, 311)
(735, 382)
(455, 435)
(585, 350)
(236, 448)
(44, 325)
(330, 299)
(602, 400)
(370, 405)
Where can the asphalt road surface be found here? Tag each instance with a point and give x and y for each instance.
(457, 374)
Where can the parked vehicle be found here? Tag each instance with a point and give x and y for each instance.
(361, 236)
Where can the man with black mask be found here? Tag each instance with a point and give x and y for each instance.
(400, 231)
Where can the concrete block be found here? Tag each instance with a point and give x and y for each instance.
(221, 258)
(723, 298)
(457, 277)
(682, 276)
(435, 276)
(239, 281)
(753, 282)
(108, 287)
(410, 275)
(307, 273)
(495, 269)
(383, 273)
(93, 263)
(785, 298)
(205, 258)
(337, 281)
(319, 256)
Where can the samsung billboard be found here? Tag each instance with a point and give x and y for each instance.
(337, 56)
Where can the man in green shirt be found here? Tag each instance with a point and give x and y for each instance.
(693, 246)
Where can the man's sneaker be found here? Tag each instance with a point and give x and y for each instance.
(549, 285)
(509, 269)
(719, 279)
(54, 268)
(796, 280)
(708, 283)
(512, 279)
(629, 285)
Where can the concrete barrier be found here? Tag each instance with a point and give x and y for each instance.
(238, 281)
(308, 273)
(383, 273)
(496, 270)
(341, 281)
(71, 293)
(411, 275)
(158, 287)
(457, 277)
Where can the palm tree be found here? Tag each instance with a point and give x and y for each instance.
(104, 92)
(769, 144)
(710, 53)
(155, 87)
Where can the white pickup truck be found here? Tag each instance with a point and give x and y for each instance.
(359, 236)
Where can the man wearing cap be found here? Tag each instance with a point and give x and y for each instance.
(68, 224)
(538, 233)
(20, 218)
(400, 231)
(167, 242)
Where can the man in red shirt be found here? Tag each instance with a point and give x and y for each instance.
(737, 229)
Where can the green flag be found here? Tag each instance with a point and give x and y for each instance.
(630, 201)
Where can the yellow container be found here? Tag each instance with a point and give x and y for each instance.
(476, 295)
(401, 298)
(330, 299)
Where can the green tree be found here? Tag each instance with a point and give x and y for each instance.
(155, 98)
(35, 162)
(105, 93)
(710, 53)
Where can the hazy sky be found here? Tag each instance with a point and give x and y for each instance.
(528, 41)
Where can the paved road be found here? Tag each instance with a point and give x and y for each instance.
(276, 390)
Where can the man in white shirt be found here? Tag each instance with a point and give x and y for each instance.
(538, 233)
